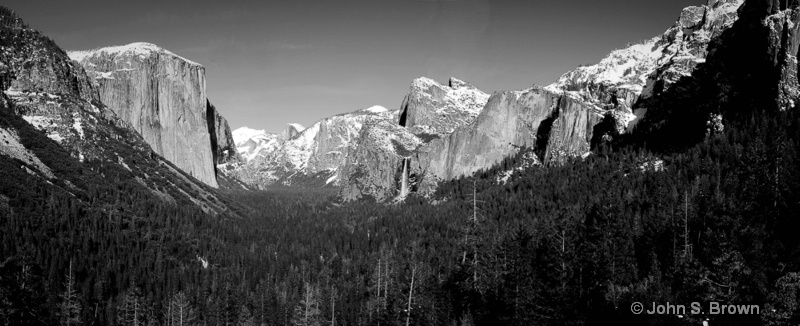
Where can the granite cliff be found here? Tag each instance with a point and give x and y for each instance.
(54, 126)
(160, 94)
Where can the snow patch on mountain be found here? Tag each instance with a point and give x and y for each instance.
(640, 70)
(433, 108)
(626, 68)
(139, 49)
(76, 124)
(252, 143)
(376, 109)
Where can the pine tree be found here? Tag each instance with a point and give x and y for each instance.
(307, 312)
(70, 308)
(131, 310)
(180, 311)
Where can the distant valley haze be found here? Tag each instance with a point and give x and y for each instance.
(269, 63)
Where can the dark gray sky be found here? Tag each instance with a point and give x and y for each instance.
(273, 62)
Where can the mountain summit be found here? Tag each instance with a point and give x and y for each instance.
(163, 96)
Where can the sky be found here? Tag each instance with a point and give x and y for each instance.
(269, 63)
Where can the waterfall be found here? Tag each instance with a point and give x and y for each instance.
(404, 183)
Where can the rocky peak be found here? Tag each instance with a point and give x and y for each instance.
(435, 110)
(160, 94)
(458, 83)
(646, 69)
(293, 130)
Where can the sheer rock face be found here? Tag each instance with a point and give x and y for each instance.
(222, 144)
(434, 109)
(572, 130)
(160, 94)
(44, 90)
(510, 121)
(784, 40)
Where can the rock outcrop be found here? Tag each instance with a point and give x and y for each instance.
(292, 131)
(223, 147)
(436, 110)
(160, 94)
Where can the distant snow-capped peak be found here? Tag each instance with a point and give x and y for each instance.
(244, 134)
(250, 143)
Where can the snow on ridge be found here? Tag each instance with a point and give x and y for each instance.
(376, 109)
(627, 66)
(460, 97)
(471, 100)
(136, 48)
(630, 67)
(424, 82)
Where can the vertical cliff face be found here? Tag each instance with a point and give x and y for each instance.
(57, 129)
(572, 130)
(559, 125)
(222, 145)
(160, 94)
(377, 165)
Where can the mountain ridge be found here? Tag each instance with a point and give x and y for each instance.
(568, 118)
